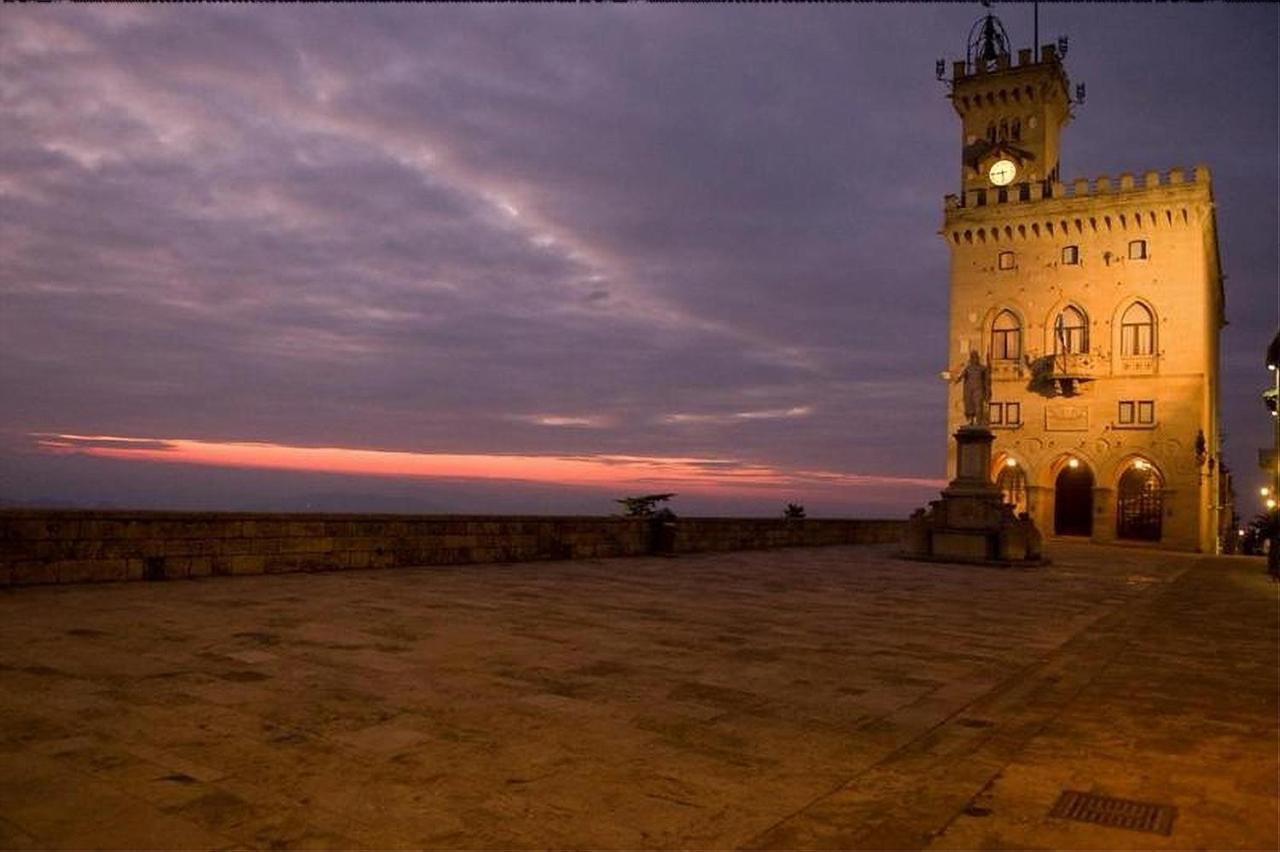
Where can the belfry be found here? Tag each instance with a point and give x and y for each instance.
(1096, 306)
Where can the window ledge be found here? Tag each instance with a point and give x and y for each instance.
(1138, 363)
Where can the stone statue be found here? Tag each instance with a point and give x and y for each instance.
(977, 389)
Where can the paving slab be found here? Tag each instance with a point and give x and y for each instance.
(804, 698)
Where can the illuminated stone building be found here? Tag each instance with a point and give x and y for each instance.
(1097, 305)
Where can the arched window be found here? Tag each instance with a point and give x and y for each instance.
(991, 132)
(1006, 337)
(1071, 331)
(1004, 128)
(1015, 130)
(1137, 331)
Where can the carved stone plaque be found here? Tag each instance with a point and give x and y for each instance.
(1066, 418)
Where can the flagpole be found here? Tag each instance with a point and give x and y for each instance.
(1035, 44)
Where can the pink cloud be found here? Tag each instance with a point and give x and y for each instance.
(698, 475)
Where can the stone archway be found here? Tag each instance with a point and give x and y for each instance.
(1073, 500)
(1140, 503)
(1012, 482)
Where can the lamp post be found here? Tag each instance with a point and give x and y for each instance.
(1272, 399)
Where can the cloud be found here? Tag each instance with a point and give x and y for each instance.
(698, 475)
(653, 232)
(737, 416)
(560, 420)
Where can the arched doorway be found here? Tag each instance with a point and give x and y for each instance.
(1140, 503)
(1012, 483)
(1073, 500)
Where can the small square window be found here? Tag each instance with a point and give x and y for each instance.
(1138, 250)
(1005, 260)
(1146, 412)
(1126, 412)
(1004, 414)
(1071, 255)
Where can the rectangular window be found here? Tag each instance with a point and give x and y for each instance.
(1137, 412)
(1005, 260)
(1071, 255)
(1135, 339)
(1006, 345)
(1005, 414)
(1138, 250)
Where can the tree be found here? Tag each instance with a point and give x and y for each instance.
(643, 507)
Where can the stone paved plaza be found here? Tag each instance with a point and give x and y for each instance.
(806, 698)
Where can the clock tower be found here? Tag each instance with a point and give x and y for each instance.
(1011, 115)
(1096, 306)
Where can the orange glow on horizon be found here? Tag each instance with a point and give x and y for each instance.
(690, 474)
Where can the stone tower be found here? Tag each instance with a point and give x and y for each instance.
(1097, 305)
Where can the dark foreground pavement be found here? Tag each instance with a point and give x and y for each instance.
(829, 698)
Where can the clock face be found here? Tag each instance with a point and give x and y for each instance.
(1002, 172)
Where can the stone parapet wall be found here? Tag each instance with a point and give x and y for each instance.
(71, 546)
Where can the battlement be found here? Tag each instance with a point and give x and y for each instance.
(1099, 187)
(963, 71)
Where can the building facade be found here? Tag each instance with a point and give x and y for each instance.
(1096, 304)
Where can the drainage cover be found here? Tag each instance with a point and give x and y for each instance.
(1115, 813)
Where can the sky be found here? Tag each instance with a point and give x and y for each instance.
(471, 258)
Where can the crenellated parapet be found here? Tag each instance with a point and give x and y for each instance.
(1050, 208)
(1006, 83)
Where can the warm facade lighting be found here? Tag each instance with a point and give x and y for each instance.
(1264, 491)
(1010, 463)
(1271, 502)
(1140, 464)
(1073, 463)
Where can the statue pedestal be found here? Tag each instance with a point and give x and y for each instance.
(972, 523)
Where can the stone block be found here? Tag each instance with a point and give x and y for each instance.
(74, 570)
(311, 544)
(188, 547)
(961, 545)
(282, 563)
(31, 573)
(248, 563)
(111, 570)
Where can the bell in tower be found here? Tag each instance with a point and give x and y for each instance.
(987, 43)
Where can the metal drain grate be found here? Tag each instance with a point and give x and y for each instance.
(1115, 813)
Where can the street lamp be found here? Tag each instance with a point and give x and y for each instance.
(1271, 398)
